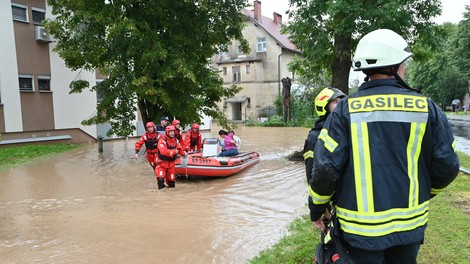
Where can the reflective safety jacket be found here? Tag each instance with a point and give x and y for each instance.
(382, 154)
(308, 155)
(150, 140)
(193, 141)
(309, 146)
(168, 149)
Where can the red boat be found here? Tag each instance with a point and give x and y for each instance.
(195, 164)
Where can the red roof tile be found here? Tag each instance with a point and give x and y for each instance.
(273, 29)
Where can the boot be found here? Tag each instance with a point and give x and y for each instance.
(161, 183)
(171, 184)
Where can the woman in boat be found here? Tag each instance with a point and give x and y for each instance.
(168, 149)
(230, 146)
(222, 134)
(150, 139)
(193, 139)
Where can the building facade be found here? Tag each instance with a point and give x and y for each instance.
(34, 81)
(35, 102)
(260, 72)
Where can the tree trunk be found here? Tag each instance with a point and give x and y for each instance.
(149, 112)
(286, 102)
(341, 62)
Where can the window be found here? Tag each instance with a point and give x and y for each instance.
(26, 82)
(38, 15)
(261, 45)
(236, 74)
(248, 69)
(19, 12)
(44, 83)
(225, 70)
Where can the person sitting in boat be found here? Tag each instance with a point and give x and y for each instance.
(178, 133)
(222, 134)
(230, 146)
(150, 139)
(168, 149)
(237, 140)
(193, 139)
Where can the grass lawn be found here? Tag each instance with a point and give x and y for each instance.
(447, 236)
(15, 155)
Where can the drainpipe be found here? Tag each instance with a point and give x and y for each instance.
(279, 72)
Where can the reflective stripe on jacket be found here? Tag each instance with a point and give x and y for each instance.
(390, 149)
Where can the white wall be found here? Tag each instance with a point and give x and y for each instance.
(9, 86)
(71, 109)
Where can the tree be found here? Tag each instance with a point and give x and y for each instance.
(155, 54)
(327, 31)
(442, 74)
(286, 99)
(461, 51)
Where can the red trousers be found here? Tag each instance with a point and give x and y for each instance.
(166, 170)
(151, 159)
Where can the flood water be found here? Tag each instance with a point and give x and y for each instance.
(461, 130)
(86, 207)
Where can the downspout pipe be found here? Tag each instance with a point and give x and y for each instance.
(279, 71)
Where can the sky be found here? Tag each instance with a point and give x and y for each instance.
(452, 10)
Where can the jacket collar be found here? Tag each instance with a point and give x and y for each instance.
(381, 82)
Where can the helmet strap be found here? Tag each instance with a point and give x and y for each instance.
(393, 73)
(402, 82)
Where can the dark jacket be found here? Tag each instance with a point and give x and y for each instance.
(308, 154)
(383, 153)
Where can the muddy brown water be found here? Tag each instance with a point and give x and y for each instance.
(87, 207)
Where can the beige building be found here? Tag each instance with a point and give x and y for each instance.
(260, 72)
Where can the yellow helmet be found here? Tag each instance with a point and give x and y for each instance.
(324, 97)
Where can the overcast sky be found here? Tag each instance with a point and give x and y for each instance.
(452, 10)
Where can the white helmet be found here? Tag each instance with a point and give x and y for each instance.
(380, 48)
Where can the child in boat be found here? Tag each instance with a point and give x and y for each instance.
(230, 146)
(237, 140)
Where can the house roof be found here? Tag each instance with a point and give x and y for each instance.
(272, 28)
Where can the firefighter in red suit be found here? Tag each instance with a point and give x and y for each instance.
(178, 133)
(168, 149)
(150, 139)
(193, 139)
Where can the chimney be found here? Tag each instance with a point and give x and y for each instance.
(277, 18)
(257, 10)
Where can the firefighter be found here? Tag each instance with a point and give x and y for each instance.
(193, 139)
(381, 156)
(325, 103)
(150, 139)
(178, 133)
(168, 149)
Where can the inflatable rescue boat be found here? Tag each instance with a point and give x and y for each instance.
(207, 164)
